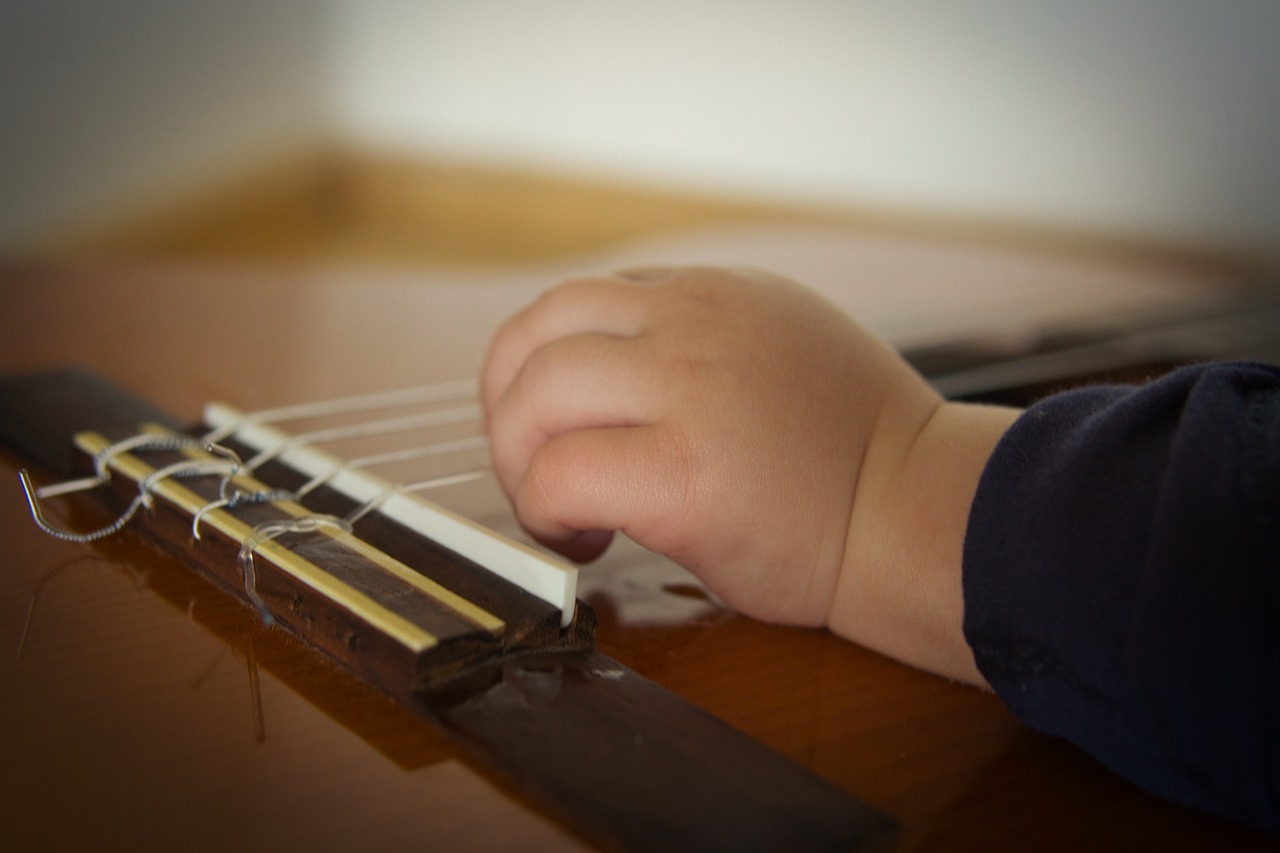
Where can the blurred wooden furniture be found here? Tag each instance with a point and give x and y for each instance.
(335, 205)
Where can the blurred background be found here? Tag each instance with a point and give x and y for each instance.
(363, 128)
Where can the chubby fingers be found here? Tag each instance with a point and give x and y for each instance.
(606, 306)
(584, 381)
(581, 485)
(569, 389)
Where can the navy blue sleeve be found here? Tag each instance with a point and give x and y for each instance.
(1122, 581)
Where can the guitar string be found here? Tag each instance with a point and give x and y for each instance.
(362, 429)
(420, 486)
(432, 393)
(102, 473)
(443, 448)
(265, 532)
(146, 442)
(268, 530)
(367, 429)
(229, 466)
(226, 468)
(436, 393)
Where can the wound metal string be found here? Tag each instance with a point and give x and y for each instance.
(544, 577)
(226, 467)
(229, 498)
(230, 465)
(101, 462)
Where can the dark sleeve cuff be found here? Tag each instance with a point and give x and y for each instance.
(1122, 581)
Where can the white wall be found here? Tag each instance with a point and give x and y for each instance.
(1157, 118)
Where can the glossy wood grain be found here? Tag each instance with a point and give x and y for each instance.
(144, 709)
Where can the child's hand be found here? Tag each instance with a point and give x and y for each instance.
(720, 418)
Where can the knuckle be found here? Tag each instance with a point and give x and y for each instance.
(567, 293)
(540, 375)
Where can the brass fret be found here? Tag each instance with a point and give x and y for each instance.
(393, 625)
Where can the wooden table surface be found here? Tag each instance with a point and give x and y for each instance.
(142, 709)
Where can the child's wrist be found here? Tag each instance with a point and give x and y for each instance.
(900, 588)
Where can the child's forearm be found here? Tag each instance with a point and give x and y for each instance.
(900, 586)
